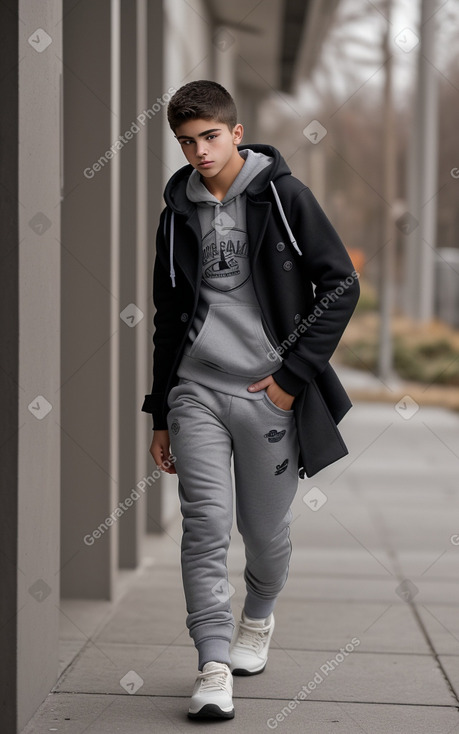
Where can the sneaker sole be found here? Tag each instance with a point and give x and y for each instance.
(211, 711)
(244, 671)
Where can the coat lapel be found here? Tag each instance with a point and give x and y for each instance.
(187, 251)
(258, 213)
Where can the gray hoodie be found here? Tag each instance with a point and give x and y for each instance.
(227, 347)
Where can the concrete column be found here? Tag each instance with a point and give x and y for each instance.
(31, 53)
(131, 524)
(224, 48)
(423, 177)
(428, 120)
(158, 495)
(248, 102)
(144, 462)
(90, 299)
(315, 171)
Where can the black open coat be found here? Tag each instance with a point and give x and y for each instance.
(303, 321)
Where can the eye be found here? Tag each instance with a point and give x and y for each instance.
(211, 137)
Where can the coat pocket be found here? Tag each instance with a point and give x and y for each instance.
(320, 441)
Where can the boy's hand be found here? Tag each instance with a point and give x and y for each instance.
(160, 450)
(275, 393)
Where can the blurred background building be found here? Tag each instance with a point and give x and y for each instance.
(361, 99)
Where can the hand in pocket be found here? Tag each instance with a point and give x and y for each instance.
(275, 393)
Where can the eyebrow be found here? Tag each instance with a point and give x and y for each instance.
(200, 135)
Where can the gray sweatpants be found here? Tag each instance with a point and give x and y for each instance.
(205, 428)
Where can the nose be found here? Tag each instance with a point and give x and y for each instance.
(201, 149)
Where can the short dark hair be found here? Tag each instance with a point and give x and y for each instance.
(201, 99)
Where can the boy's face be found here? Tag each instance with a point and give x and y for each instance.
(209, 145)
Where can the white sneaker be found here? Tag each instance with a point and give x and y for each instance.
(212, 693)
(249, 650)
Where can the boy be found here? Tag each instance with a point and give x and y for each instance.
(242, 344)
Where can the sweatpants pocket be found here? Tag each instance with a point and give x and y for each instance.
(171, 396)
(275, 408)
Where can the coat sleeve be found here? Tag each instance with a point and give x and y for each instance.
(326, 263)
(164, 339)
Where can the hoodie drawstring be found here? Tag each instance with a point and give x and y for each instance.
(284, 219)
(216, 213)
(171, 232)
(171, 250)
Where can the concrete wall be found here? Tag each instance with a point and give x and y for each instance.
(90, 303)
(39, 352)
(30, 371)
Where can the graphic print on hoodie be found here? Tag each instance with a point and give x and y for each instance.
(227, 347)
(225, 254)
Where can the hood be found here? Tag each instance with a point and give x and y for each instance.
(254, 164)
(176, 198)
(186, 181)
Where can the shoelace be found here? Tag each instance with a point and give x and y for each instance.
(252, 638)
(214, 679)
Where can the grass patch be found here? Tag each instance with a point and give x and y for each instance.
(427, 354)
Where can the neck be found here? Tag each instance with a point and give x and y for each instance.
(220, 184)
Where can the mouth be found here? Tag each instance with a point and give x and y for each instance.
(205, 164)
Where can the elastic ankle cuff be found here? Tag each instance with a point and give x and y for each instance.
(213, 649)
(258, 608)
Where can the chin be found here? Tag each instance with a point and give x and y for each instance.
(206, 173)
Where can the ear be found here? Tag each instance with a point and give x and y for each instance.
(238, 132)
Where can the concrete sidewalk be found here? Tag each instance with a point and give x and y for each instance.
(367, 626)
